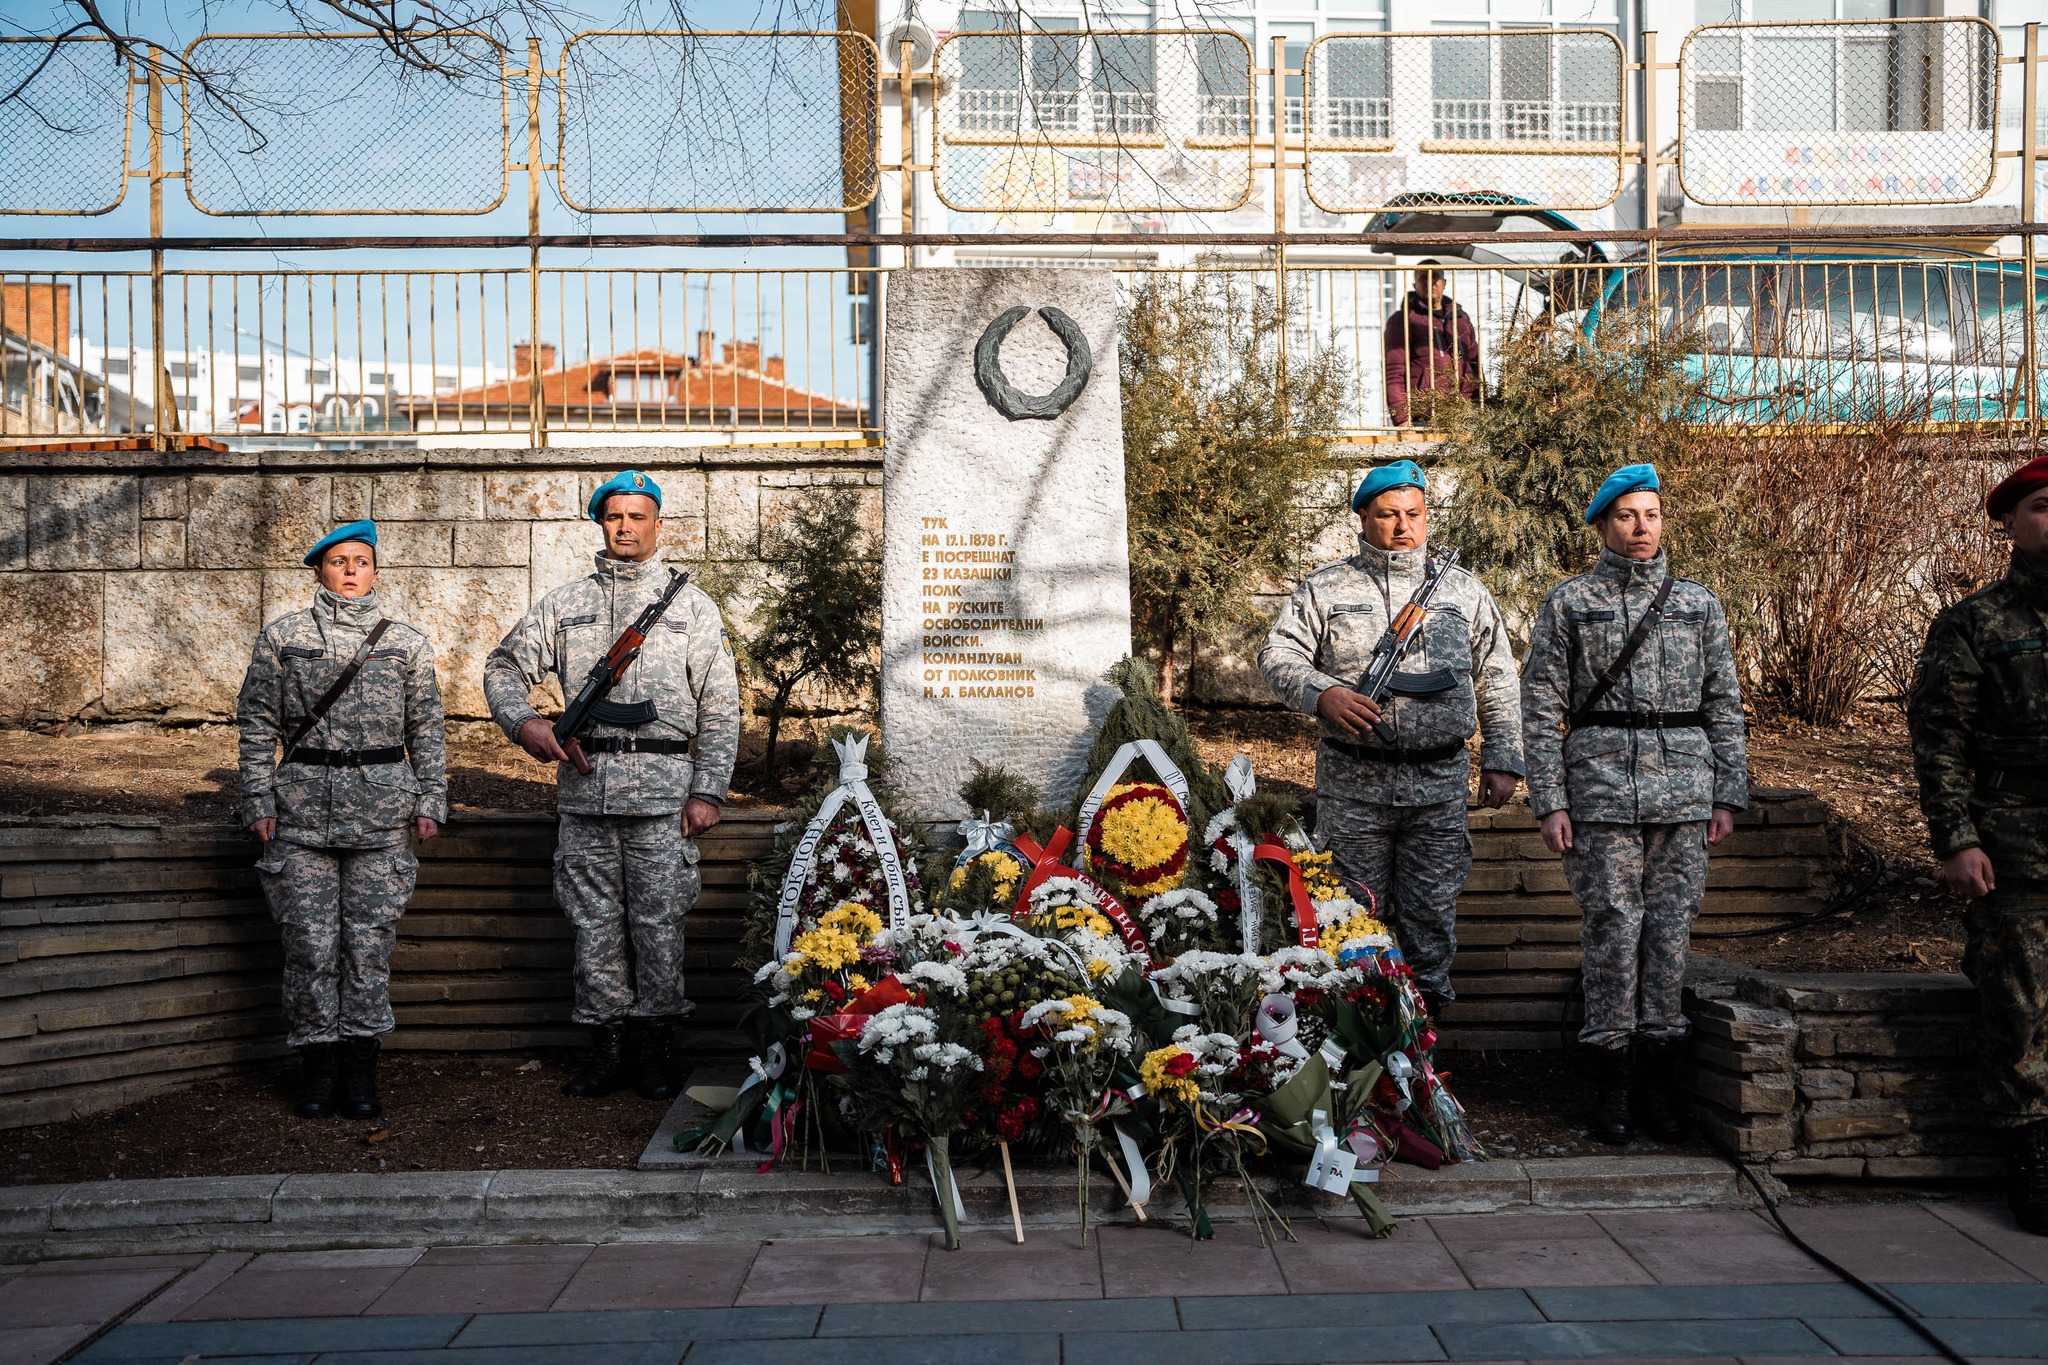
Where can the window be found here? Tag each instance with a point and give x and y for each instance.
(1054, 79)
(182, 369)
(115, 367)
(249, 372)
(640, 388)
(377, 379)
(445, 384)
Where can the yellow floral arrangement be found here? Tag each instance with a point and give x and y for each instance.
(1076, 1013)
(1167, 1075)
(836, 943)
(1358, 926)
(1319, 871)
(1139, 839)
(1004, 867)
(1068, 918)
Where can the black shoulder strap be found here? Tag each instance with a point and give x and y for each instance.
(1641, 633)
(341, 685)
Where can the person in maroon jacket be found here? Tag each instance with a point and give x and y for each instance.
(1432, 348)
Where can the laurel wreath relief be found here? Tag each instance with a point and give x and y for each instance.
(1004, 396)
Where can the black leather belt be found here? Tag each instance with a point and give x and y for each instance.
(1643, 720)
(1366, 754)
(346, 758)
(633, 744)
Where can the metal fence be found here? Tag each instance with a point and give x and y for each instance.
(442, 357)
(1885, 111)
(1129, 136)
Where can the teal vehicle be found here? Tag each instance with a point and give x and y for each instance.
(1927, 331)
(1932, 330)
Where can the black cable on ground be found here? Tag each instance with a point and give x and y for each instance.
(1890, 1303)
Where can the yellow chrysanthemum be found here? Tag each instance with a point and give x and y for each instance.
(1143, 834)
(1162, 1084)
(851, 917)
(831, 949)
(1335, 936)
(1098, 968)
(1318, 871)
(1070, 917)
(1006, 870)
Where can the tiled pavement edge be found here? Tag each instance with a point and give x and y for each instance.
(1618, 1284)
(729, 1198)
(1680, 1322)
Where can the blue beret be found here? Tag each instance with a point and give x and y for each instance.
(1399, 474)
(364, 531)
(625, 481)
(1630, 478)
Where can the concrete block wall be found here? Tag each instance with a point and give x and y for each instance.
(1841, 1075)
(135, 582)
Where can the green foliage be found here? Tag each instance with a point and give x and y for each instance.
(1224, 450)
(816, 591)
(1003, 794)
(1567, 411)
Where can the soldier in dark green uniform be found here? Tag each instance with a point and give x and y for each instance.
(1979, 715)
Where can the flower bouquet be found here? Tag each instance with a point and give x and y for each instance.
(1081, 1042)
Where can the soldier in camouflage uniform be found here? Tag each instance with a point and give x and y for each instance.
(1979, 716)
(337, 813)
(632, 798)
(1632, 781)
(1394, 813)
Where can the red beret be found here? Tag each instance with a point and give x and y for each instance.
(2016, 485)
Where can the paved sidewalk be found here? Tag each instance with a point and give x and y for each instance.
(1635, 1285)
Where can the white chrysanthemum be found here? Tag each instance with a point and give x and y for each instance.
(940, 975)
(1184, 906)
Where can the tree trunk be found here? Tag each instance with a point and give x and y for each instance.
(1168, 638)
(776, 706)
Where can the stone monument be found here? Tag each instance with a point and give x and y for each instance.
(1005, 561)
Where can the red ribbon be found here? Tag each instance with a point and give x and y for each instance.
(1045, 865)
(1273, 851)
(846, 1025)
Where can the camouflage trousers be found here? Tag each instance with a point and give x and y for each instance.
(337, 909)
(2006, 955)
(1638, 889)
(1415, 859)
(627, 883)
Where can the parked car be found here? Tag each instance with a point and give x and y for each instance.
(1836, 332)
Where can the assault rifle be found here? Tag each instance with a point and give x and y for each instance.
(589, 702)
(1401, 633)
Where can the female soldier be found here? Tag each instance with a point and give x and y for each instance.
(351, 696)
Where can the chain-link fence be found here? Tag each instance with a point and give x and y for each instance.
(1419, 118)
(698, 122)
(1137, 120)
(63, 126)
(289, 125)
(1882, 111)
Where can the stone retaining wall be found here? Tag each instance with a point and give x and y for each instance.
(133, 583)
(1844, 1075)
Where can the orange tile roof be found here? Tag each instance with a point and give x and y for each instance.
(710, 389)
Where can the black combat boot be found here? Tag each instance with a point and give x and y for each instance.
(1659, 1108)
(316, 1081)
(604, 1069)
(359, 1078)
(1610, 1100)
(647, 1047)
(2026, 1177)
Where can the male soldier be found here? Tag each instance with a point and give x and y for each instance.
(351, 695)
(625, 866)
(1632, 718)
(1393, 809)
(1979, 716)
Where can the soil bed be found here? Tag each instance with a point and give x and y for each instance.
(504, 1111)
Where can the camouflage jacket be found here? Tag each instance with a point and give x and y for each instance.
(1980, 708)
(1325, 637)
(394, 701)
(1606, 772)
(686, 670)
